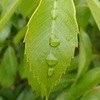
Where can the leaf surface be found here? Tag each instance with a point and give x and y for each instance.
(25, 72)
(50, 40)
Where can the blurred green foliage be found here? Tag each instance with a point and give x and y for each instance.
(81, 80)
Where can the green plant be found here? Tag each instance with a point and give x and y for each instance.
(60, 55)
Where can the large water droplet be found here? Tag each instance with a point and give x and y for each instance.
(54, 41)
(50, 71)
(54, 14)
(51, 60)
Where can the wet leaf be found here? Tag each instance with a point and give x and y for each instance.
(50, 40)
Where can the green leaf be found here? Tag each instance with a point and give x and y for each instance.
(65, 96)
(5, 33)
(64, 82)
(25, 72)
(83, 15)
(94, 6)
(85, 56)
(7, 11)
(20, 35)
(74, 64)
(31, 4)
(27, 94)
(50, 40)
(85, 83)
(93, 95)
(1, 98)
(8, 68)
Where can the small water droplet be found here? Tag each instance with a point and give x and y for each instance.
(50, 71)
(54, 14)
(51, 60)
(54, 41)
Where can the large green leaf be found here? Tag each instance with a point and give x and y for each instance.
(50, 40)
(9, 7)
(94, 6)
(25, 72)
(8, 68)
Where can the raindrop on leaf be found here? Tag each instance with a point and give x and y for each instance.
(51, 60)
(50, 71)
(54, 41)
(54, 14)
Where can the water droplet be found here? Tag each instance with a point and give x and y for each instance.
(51, 60)
(54, 41)
(54, 14)
(50, 71)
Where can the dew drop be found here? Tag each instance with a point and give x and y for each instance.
(54, 41)
(54, 14)
(51, 60)
(50, 71)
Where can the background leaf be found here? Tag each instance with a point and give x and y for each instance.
(8, 10)
(85, 56)
(86, 83)
(20, 35)
(8, 68)
(31, 4)
(94, 6)
(83, 13)
(4, 34)
(93, 95)
(26, 94)
(74, 64)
